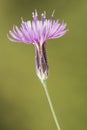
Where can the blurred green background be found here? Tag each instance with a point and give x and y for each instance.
(23, 104)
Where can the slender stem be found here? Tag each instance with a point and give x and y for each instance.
(50, 104)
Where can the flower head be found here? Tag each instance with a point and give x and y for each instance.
(37, 32)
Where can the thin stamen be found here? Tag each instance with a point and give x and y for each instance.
(35, 15)
(43, 16)
(52, 15)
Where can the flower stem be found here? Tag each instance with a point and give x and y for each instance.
(50, 104)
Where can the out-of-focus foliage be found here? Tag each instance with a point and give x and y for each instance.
(23, 105)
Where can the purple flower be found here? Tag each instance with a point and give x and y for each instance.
(37, 32)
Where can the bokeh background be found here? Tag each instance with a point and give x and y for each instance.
(23, 104)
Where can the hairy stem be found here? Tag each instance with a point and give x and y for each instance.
(50, 104)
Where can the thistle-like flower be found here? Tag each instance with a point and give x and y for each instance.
(37, 32)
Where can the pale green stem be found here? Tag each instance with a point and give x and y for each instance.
(50, 104)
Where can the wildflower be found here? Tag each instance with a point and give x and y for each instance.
(37, 32)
